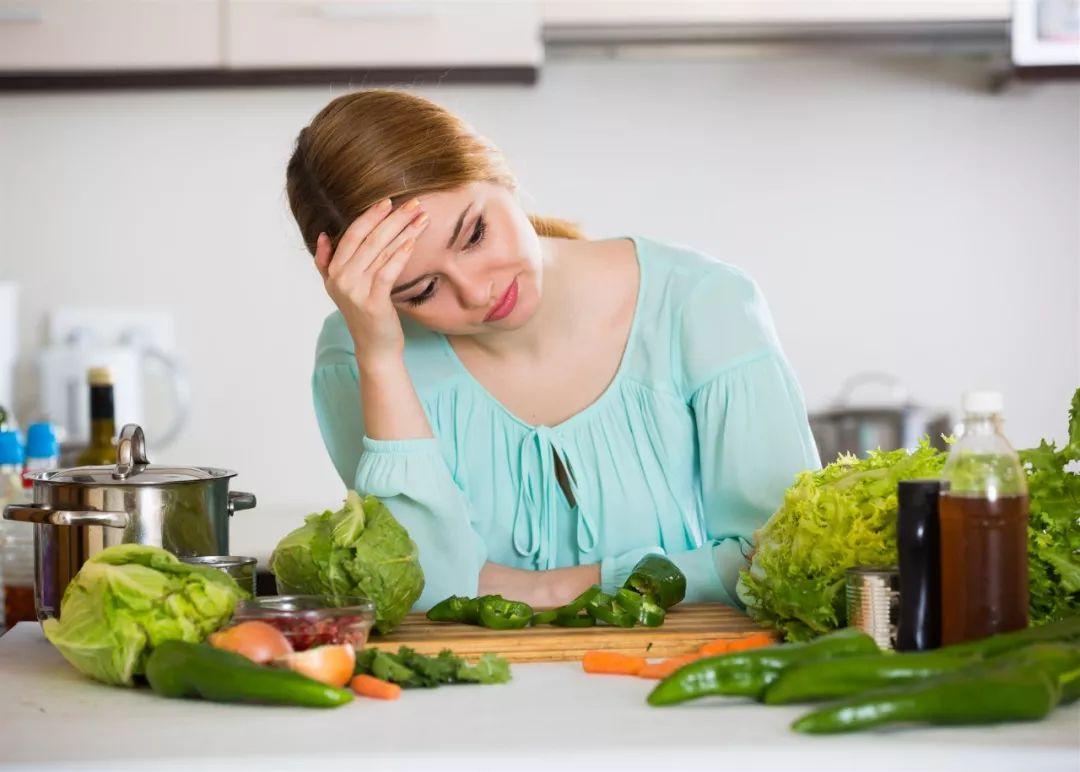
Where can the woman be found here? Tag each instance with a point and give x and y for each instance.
(537, 409)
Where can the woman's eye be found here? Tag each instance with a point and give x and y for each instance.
(424, 296)
(478, 233)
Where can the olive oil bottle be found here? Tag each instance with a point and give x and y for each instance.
(102, 449)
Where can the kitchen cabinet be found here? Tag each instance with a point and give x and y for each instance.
(381, 33)
(65, 35)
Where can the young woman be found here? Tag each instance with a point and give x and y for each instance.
(539, 410)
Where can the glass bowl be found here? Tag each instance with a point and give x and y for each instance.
(312, 620)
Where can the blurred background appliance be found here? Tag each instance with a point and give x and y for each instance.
(874, 410)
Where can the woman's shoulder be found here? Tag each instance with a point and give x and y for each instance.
(426, 356)
(686, 268)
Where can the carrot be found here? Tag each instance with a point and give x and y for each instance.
(612, 663)
(370, 686)
(754, 641)
(712, 648)
(666, 667)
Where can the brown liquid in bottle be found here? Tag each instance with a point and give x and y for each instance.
(984, 569)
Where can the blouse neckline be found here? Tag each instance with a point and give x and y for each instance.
(605, 395)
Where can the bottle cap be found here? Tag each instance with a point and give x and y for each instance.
(99, 376)
(11, 449)
(983, 402)
(41, 441)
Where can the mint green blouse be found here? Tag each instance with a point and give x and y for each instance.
(686, 453)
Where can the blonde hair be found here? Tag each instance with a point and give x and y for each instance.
(370, 145)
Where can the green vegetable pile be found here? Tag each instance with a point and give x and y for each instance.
(358, 550)
(409, 669)
(653, 586)
(1017, 676)
(845, 515)
(128, 599)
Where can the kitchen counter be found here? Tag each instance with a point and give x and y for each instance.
(551, 715)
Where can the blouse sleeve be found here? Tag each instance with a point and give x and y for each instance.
(752, 429)
(412, 479)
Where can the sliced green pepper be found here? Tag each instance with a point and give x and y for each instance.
(544, 617)
(498, 613)
(645, 610)
(578, 604)
(604, 608)
(453, 609)
(580, 620)
(748, 673)
(180, 669)
(658, 578)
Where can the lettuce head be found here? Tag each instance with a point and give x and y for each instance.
(358, 550)
(831, 520)
(126, 600)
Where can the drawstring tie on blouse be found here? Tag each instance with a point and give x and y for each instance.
(537, 506)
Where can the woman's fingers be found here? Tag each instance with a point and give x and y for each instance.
(412, 232)
(383, 280)
(357, 231)
(322, 254)
(381, 237)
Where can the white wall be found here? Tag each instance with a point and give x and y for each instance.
(897, 217)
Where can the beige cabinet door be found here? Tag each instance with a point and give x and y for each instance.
(73, 35)
(381, 33)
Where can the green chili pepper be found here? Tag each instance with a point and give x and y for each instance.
(1023, 685)
(820, 680)
(657, 577)
(1065, 630)
(497, 613)
(604, 608)
(748, 673)
(645, 610)
(180, 669)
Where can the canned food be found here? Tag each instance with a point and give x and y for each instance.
(873, 602)
(242, 569)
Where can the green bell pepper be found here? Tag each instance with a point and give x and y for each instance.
(604, 608)
(181, 669)
(498, 613)
(646, 611)
(658, 578)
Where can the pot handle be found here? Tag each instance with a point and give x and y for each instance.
(46, 515)
(239, 500)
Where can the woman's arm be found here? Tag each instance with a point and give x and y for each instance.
(540, 589)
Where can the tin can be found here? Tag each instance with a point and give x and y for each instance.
(240, 568)
(873, 602)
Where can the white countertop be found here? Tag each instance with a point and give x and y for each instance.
(550, 716)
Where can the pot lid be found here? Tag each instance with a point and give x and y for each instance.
(132, 467)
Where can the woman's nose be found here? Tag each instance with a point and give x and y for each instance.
(474, 288)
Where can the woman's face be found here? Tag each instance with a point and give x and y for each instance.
(476, 268)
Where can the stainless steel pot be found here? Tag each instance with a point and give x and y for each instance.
(79, 512)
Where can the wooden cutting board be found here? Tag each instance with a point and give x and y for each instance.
(686, 627)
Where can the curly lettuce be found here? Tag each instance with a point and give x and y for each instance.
(833, 519)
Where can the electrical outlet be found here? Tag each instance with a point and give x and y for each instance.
(110, 327)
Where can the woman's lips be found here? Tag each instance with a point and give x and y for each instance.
(505, 305)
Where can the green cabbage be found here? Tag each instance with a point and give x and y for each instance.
(833, 519)
(128, 599)
(358, 550)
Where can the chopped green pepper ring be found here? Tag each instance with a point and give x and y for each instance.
(498, 613)
(644, 609)
(578, 604)
(545, 617)
(582, 620)
(605, 608)
(453, 609)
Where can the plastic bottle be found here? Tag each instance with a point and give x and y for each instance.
(984, 518)
(11, 492)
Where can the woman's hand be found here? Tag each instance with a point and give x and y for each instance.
(360, 273)
(540, 589)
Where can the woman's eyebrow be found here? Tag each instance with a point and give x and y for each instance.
(457, 228)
